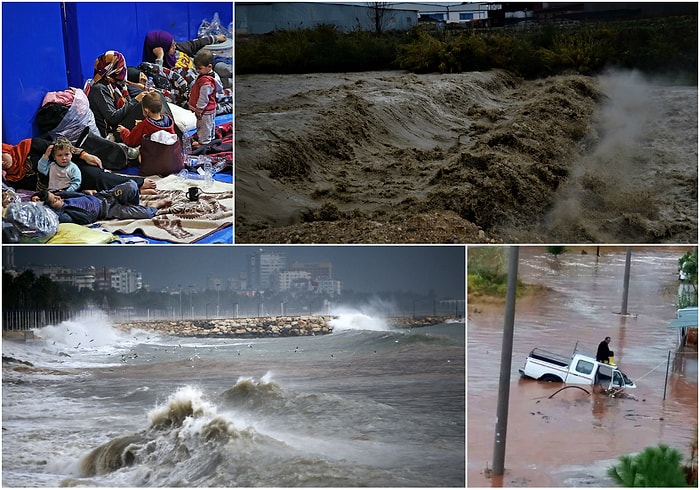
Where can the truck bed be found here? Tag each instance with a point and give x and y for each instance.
(550, 357)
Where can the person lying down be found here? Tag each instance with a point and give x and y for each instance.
(84, 208)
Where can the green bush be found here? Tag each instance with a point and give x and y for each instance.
(649, 45)
(424, 54)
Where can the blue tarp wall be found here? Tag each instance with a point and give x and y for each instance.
(51, 46)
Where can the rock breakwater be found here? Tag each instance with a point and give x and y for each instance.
(410, 322)
(281, 326)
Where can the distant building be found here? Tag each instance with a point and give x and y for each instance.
(8, 264)
(121, 280)
(291, 280)
(237, 283)
(327, 286)
(265, 17)
(215, 283)
(261, 267)
(523, 13)
(125, 280)
(461, 13)
(80, 278)
(315, 269)
(499, 14)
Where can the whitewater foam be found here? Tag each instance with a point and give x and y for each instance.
(355, 320)
(89, 340)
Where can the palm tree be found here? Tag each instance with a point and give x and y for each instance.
(654, 467)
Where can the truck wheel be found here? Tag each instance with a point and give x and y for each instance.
(551, 378)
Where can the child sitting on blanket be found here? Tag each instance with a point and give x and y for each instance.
(119, 202)
(64, 175)
(154, 121)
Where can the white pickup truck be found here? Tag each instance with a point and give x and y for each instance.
(578, 369)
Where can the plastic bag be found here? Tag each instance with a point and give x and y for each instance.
(78, 117)
(213, 27)
(34, 222)
(9, 195)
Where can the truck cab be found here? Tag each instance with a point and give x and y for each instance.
(610, 377)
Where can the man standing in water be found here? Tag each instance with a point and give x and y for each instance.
(604, 353)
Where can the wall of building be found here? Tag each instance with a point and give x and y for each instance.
(261, 18)
(51, 46)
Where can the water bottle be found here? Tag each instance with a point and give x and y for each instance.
(150, 86)
(219, 166)
(186, 146)
(182, 175)
(208, 171)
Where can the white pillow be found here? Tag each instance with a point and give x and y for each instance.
(185, 119)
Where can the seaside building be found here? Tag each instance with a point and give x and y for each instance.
(261, 267)
(319, 270)
(125, 280)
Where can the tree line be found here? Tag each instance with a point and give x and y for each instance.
(658, 45)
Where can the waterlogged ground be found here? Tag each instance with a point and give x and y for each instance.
(572, 438)
(392, 157)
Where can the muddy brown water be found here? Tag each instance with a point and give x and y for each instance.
(566, 159)
(572, 438)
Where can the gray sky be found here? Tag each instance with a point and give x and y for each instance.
(360, 268)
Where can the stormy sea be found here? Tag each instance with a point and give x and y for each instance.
(86, 404)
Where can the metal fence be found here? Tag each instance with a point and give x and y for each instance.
(28, 320)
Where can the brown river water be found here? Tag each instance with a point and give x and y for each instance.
(572, 438)
(566, 159)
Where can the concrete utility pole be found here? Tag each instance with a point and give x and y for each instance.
(626, 285)
(499, 447)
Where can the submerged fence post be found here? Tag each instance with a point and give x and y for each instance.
(626, 285)
(499, 448)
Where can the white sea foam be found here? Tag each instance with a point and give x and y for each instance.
(87, 341)
(356, 320)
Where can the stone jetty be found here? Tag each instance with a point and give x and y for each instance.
(258, 327)
(279, 326)
(411, 322)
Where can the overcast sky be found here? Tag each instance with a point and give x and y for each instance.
(360, 268)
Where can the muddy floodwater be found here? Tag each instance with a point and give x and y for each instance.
(478, 157)
(572, 438)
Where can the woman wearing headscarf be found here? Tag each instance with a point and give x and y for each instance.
(165, 59)
(108, 95)
(160, 47)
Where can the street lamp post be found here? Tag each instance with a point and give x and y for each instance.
(180, 288)
(191, 308)
(218, 298)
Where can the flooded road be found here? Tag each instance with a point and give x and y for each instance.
(572, 438)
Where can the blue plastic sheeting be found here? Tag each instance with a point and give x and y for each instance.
(51, 46)
(224, 236)
(33, 63)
